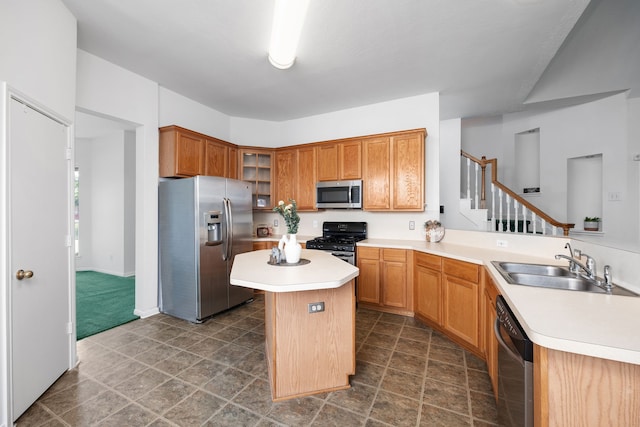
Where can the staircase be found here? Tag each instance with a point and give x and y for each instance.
(505, 211)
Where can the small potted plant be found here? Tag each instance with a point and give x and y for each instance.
(591, 223)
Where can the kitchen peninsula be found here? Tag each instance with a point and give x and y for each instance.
(309, 320)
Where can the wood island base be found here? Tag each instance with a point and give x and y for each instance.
(310, 352)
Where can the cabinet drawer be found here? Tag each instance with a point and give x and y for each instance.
(461, 270)
(427, 260)
(368, 253)
(399, 255)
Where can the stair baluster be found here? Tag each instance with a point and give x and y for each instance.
(506, 199)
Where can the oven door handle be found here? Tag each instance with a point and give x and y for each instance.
(502, 342)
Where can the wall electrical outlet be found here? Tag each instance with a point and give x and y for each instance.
(315, 224)
(275, 222)
(501, 243)
(316, 307)
(412, 225)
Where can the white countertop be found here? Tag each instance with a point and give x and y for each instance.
(324, 271)
(598, 325)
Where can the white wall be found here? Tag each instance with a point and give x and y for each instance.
(596, 127)
(633, 176)
(38, 45)
(129, 198)
(450, 141)
(113, 92)
(175, 109)
(107, 203)
(107, 176)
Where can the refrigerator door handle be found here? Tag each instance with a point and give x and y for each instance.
(228, 250)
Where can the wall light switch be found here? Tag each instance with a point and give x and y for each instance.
(614, 196)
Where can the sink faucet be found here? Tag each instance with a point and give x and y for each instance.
(568, 245)
(608, 284)
(572, 261)
(575, 265)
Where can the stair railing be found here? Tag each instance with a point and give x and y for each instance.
(527, 218)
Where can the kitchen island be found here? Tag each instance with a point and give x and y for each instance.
(309, 320)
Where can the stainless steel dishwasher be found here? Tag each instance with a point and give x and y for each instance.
(515, 369)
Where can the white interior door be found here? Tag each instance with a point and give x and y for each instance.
(39, 204)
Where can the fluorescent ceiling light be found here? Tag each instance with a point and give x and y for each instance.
(288, 18)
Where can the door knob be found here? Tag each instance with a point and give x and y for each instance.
(21, 274)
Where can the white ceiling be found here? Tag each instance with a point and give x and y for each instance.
(483, 56)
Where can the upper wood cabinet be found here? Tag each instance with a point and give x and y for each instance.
(391, 166)
(376, 170)
(233, 162)
(180, 152)
(256, 168)
(295, 176)
(350, 160)
(339, 160)
(185, 153)
(285, 180)
(306, 178)
(216, 158)
(328, 162)
(393, 171)
(407, 171)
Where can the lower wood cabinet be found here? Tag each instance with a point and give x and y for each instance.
(490, 342)
(263, 245)
(447, 297)
(383, 283)
(268, 244)
(461, 300)
(428, 287)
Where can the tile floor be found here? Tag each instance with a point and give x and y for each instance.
(163, 371)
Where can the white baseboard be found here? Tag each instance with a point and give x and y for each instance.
(146, 313)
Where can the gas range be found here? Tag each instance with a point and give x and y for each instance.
(340, 239)
(333, 244)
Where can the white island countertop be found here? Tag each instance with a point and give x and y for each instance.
(591, 324)
(324, 271)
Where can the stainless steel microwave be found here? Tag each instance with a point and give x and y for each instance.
(339, 194)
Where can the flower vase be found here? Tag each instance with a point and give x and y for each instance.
(292, 250)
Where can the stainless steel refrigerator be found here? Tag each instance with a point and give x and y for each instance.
(203, 223)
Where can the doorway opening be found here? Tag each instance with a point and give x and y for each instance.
(105, 165)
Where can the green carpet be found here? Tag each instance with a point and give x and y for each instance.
(103, 302)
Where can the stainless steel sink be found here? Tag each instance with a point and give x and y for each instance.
(553, 276)
(545, 270)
